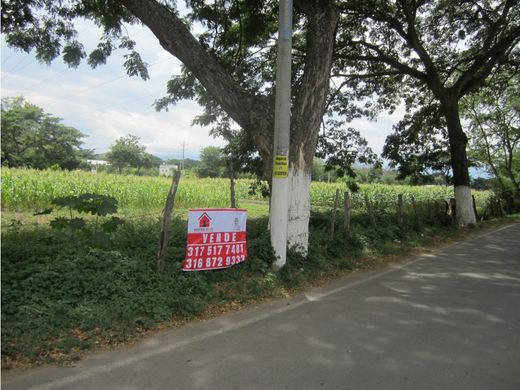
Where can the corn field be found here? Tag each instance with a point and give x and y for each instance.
(28, 189)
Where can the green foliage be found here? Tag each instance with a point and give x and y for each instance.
(259, 187)
(418, 147)
(33, 138)
(62, 296)
(61, 223)
(29, 189)
(57, 289)
(342, 147)
(47, 27)
(128, 152)
(494, 132)
(96, 205)
(212, 162)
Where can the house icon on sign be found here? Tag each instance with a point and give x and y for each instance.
(204, 221)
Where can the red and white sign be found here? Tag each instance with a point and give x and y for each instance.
(216, 239)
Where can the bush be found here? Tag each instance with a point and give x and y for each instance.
(60, 296)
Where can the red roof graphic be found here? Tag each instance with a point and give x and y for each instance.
(204, 221)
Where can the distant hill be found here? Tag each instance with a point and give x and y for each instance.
(188, 162)
(100, 156)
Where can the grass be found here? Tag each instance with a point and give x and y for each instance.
(64, 293)
(28, 189)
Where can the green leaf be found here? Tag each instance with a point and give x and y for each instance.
(59, 223)
(43, 212)
(100, 239)
(66, 201)
(95, 204)
(112, 224)
(77, 223)
(73, 53)
(127, 43)
(135, 66)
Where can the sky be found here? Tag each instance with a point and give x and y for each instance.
(106, 104)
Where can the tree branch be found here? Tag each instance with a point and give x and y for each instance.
(412, 38)
(253, 113)
(354, 76)
(383, 57)
(475, 75)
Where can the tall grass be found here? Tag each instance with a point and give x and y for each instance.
(385, 195)
(28, 189)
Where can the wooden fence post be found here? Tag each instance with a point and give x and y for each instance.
(400, 210)
(232, 185)
(333, 218)
(453, 208)
(370, 209)
(415, 212)
(166, 222)
(475, 207)
(346, 219)
(431, 211)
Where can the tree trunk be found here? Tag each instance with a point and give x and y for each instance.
(459, 163)
(346, 221)
(307, 114)
(232, 192)
(254, 112)
(299, 209)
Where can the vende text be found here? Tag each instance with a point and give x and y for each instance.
(210, 238)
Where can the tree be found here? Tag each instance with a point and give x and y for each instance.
(342, 147)
(33, 138)
(406, 48)
(419, 148)
(151, 161)
(429, 51)
(128, 152)
(240, 84)
(212, 162)
(494, 131)
(232, 62)
(188, 163)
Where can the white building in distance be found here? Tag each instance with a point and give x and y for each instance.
(167, 169)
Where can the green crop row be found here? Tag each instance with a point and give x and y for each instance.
(28, 189)
(385, 195)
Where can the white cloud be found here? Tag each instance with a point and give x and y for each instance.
(105, 104)
(375, 132)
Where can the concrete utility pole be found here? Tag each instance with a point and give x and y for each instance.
(282, 120)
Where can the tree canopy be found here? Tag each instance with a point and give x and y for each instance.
(128, 152)
(212, 162)
(377, 51)
(418, 146)
(33, 138)
(493, 117)
(429, 53)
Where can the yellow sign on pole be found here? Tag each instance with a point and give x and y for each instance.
(281, 167)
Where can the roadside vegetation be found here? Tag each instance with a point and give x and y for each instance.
(78, 248)
(79, 276)
(30, 189)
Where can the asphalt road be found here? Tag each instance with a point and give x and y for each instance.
(447, 320)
